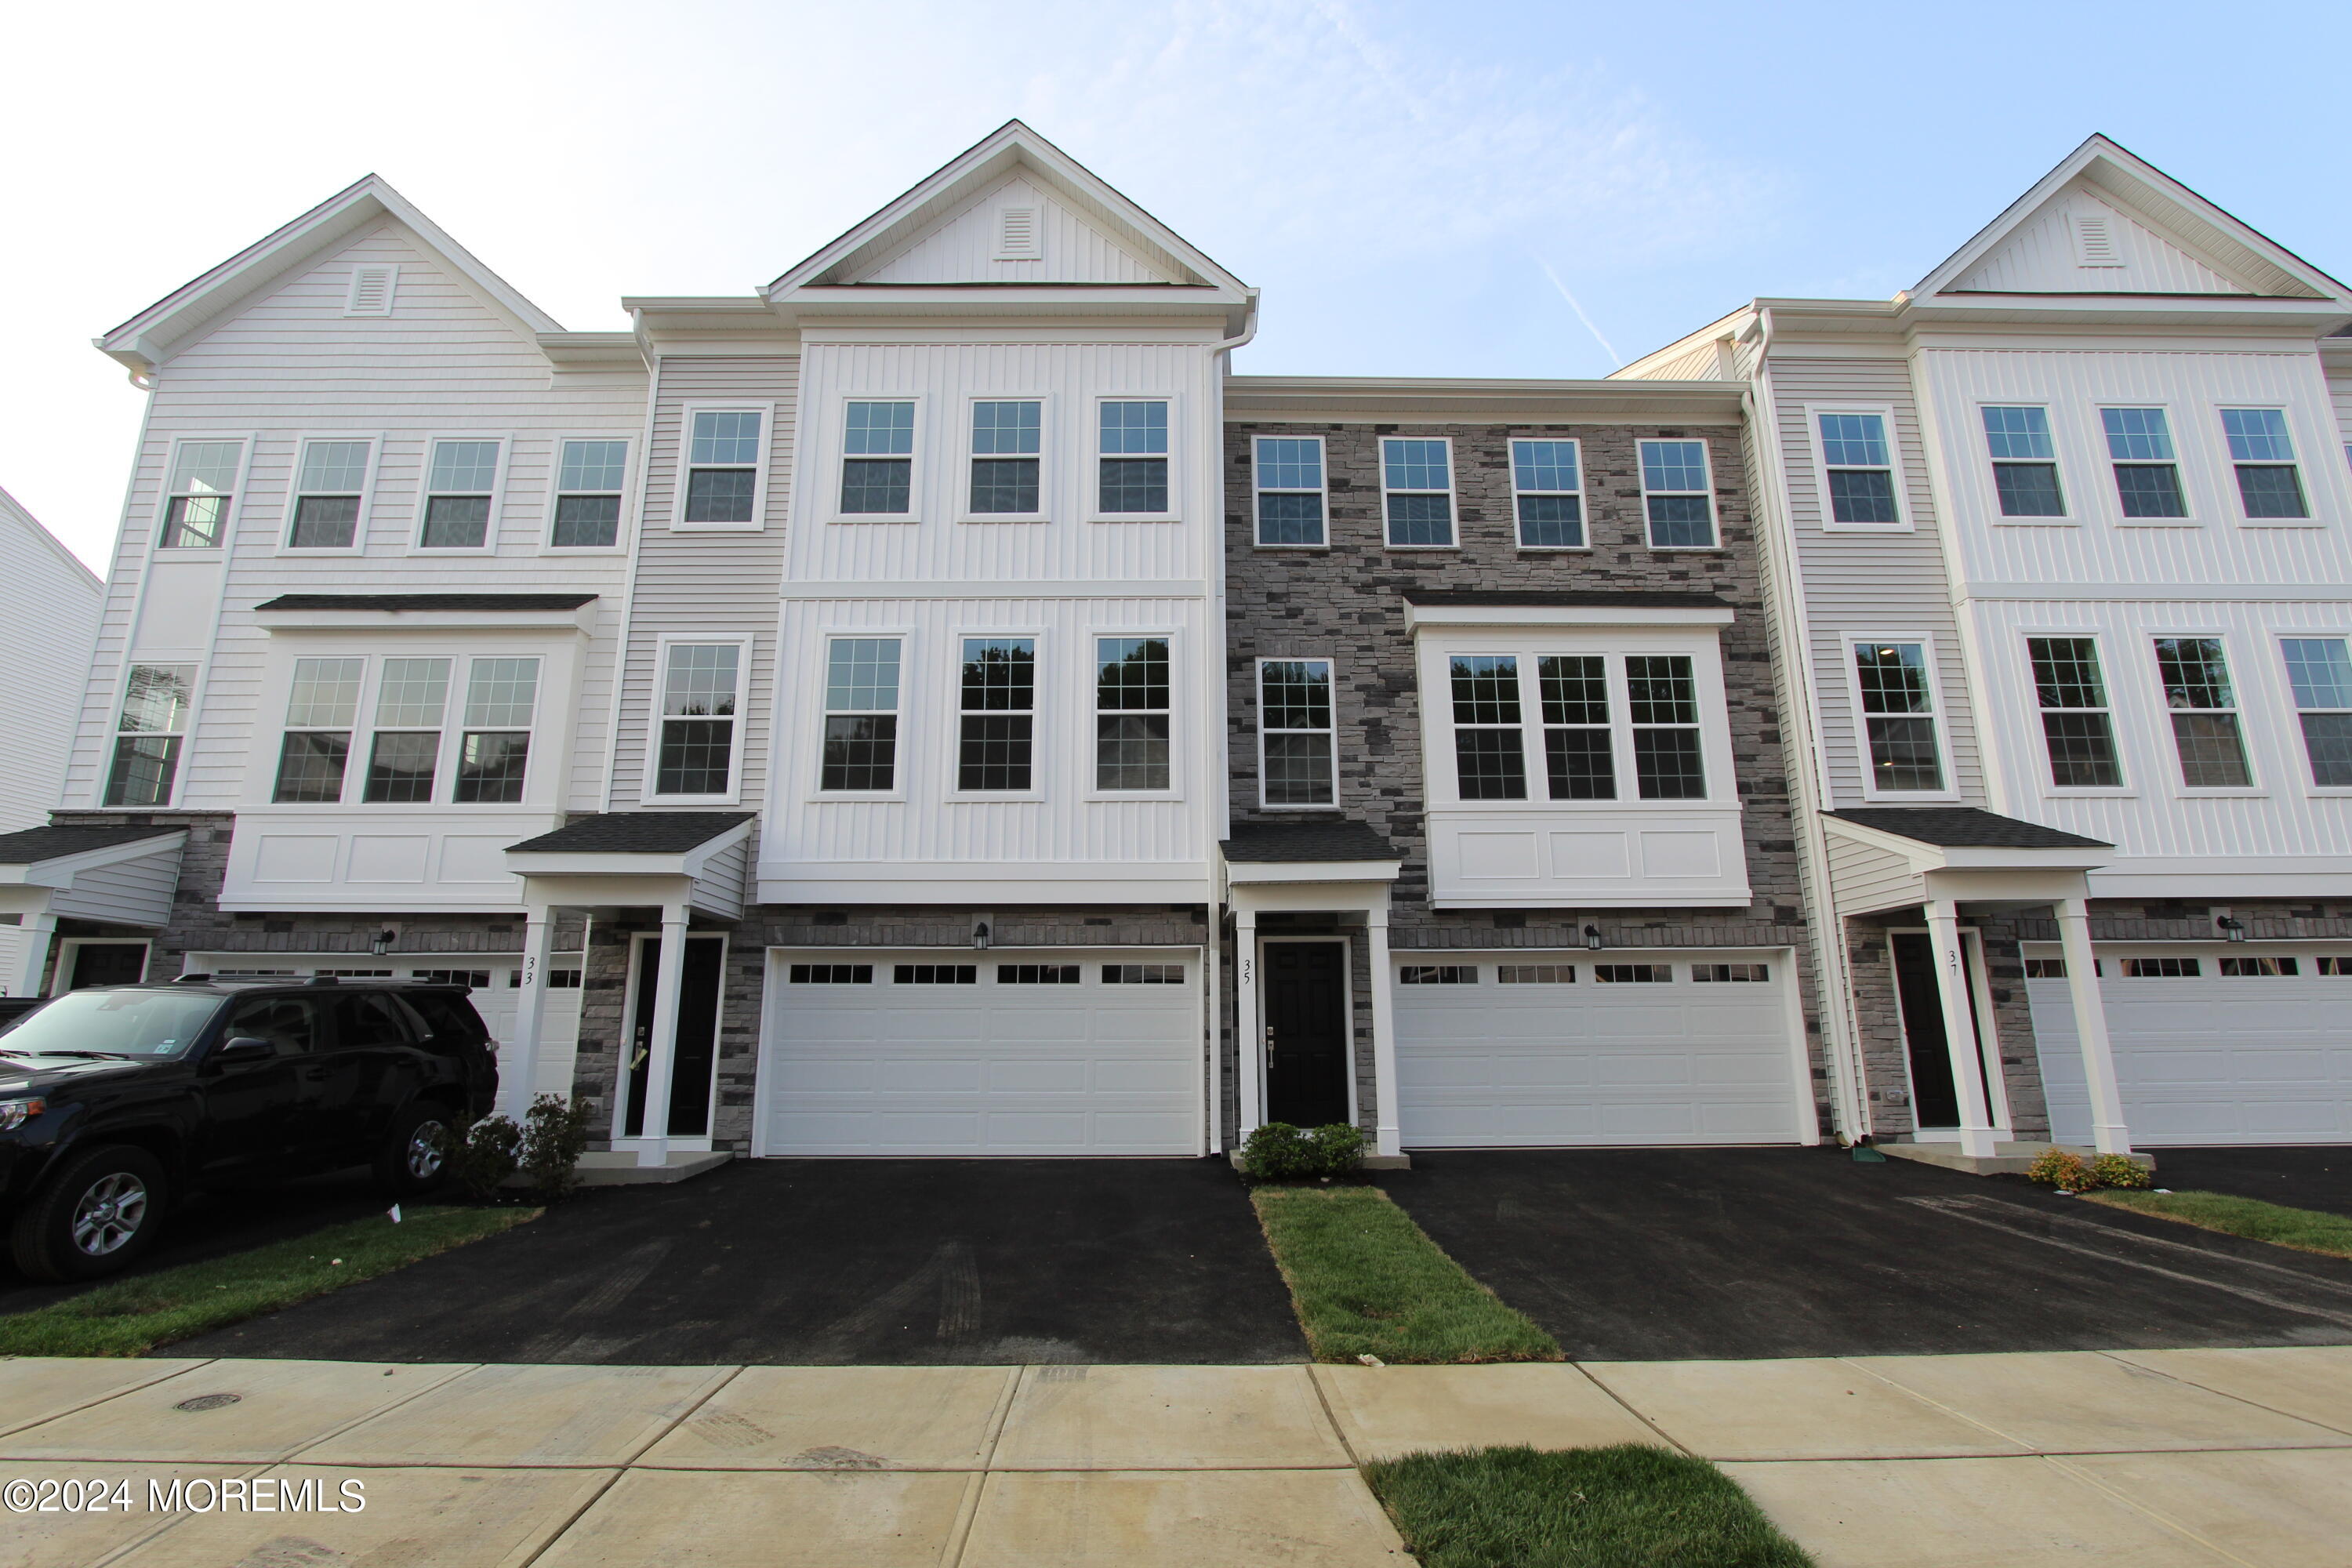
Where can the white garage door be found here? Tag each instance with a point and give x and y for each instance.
(989, 1053)
(2203, 1056)
(1560, 1049)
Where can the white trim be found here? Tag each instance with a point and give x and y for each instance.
(1539, 618)
(623, 538)
(1864, 761)
(1885, 414)
(1177, 434)
(1451, 492)
(360, 271)
(960, 504)
(293, 493)
(1706, 462)
(499, 473)
(1257, 706)
(231, 515)
(1322, 492)
(684, 473)
(834, 444)
(743, 642)
(1582, 494)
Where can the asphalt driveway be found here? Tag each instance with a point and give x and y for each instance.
(1642, 1255)
(2306, 1177)
(835, 1262)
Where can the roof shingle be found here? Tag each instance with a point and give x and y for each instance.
(1262, 843)
(1963, 827)
(634, 832)
(428, 602)
(37, 844)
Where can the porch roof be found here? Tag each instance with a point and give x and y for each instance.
(1963, 827)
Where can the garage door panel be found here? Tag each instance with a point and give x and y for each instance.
(1035, 1076)
(1658, 1070)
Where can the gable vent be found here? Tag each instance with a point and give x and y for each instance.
(2095, 241)
(1016, 235)
(372, 288)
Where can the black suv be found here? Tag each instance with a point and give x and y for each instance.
(115, 1099)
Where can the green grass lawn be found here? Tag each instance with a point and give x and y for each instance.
(2307, 1230)
(131, 1316)
(1626, 1507)
(1365, 1280)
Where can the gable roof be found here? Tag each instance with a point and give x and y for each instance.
(15, 515)
(2203, 244)
(147, 339)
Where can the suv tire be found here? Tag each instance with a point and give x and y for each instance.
(415, 1158)
(99, 1215)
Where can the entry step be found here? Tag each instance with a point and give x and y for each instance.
(2007, 1159)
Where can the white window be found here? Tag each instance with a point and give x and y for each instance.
(320, 710)
(372, 290)
(1585, 712)
(1131, 713)
(878, 463)
(1038, 974)
(695, 751)
(1730, 974)
(2147, 472)
(2076, 723)
(1417, 492)
(996, 737)
(412, 696)
(1438, 975)
(831, 974)
(330, 483)
(1132, 458)
(2320, 671)
(725, 468)
(2024, 462)
(1007, 441)
(2195, 676)
(2270, 487)
(1297, 760)
(589, 477)
(861, 716)
(202, 485)
(148, 733)
(1677, 496)
(1898, 715)
(1548, 494)
(1535, 975)
(1857, 468)
(459, 486)
(494, 751)
(1290, 489)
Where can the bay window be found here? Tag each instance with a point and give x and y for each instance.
(411, 697)
(1581, 713)
(495, 749)
(317, 743)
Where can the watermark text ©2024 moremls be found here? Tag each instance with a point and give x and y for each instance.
(201, 1494)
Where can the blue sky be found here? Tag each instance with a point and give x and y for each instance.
(1418, 187)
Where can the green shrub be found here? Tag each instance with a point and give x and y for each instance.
(554, 1136)
(485, 1156)
(2057, 1168)
(2119, 1171)
(1279, 1152)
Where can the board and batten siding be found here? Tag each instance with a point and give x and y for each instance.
(1869, 582)
(963, 250)
(286, 364)
(715, 583)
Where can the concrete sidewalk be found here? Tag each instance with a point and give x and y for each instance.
(2156, 1457)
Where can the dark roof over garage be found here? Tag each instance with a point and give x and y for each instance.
(428, 602)
(1569, 598)
(37, 844)
(636, 833)
(1963, 827)
(1262, 843)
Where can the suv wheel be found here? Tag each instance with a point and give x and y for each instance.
(95, 1216)
(415, 1159)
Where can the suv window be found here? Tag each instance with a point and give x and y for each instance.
(450, 1016)
(369, 1022)
(289, 1023)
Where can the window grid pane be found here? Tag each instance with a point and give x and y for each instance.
(880, 430)
(1852, 441)
(586, 523)
(142, 770)
(155, 699)
(490, 767)
(501, 692)
(330, 468)
(326, 694)
(876, 487)
(695, 756)
(2257, 436)
(1134, 429)
(1289, 479)
(311, 767)
(725, 437)
(701, 680)
(2020, 434)
(720, 495)
(1007, 429)
(464, 467)
(1134, 484)
(592, 465)
(400, 767)
(2320, 671)
(861, 726)
(205, 467)
(411, 693)
(1296, 722)
(1131, 686)
(2075, 724)
(2138, 435)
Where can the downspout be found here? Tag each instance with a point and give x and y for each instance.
(1212, 678)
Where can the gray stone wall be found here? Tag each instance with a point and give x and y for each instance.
(1878, 1014)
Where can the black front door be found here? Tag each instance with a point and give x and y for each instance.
(109, 964)
(697, 1037)
(1307, 1032)
(1935, 1097)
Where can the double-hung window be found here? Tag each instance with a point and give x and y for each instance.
(1859, 467)
(458, 484)
(1677, 498)
(1663, 694)
(1586, 724)
(877, 461)
(203, 482)
(148, 733)
(2320, 670)
(695, 751)
(1548, 494)
(329, 484)
(1132, 712)
(2024, 462)
(1489, 762)
(2148, 471)
(1579, 761)
(1132, 458)
(1006, 440)
(1898, 715)
(2076, 724)
(996, 738)
(501, 695)
(411, 697)
(320, 711)
(2195, 676)
(722, 466)
(1295, 754)
(1290, 489)
(861, 715)
(589, 477)
(2263, 453)
(1417, 490)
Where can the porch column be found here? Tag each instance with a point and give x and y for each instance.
(2108, 1133)
(1959, 1027)
(1387, 1138)
(531, 1007)
(1248, 1033)
(1214, 983)
(668, 982)
(33, 957)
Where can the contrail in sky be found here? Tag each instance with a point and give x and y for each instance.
(1614, 356)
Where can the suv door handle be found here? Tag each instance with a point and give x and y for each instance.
(315, 1074)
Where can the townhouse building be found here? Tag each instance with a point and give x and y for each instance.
(2056, 542)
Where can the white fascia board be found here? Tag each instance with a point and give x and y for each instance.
(935, 882)
(597, 863)
(1481, 400)
(846, 592)
(61, 871)
(581, 621)
(1924, 857)
(698, 859)
(1736, 900)
(1252, 872)
(1452, 618)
